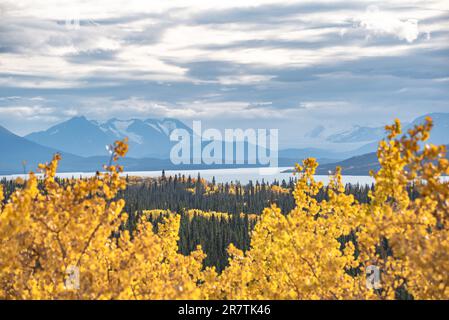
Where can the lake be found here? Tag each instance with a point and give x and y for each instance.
(244, 175)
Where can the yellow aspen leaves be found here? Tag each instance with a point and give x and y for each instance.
(319, 250)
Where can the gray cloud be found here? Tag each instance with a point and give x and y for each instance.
(267, 14)
(293, 66)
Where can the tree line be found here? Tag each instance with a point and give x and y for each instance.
(213, 215)
(179, 192)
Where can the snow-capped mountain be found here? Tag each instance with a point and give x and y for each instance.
(440, 130)
(358, 134)
(316, 132)
(147, 138)
(150, 138)
(439, 134)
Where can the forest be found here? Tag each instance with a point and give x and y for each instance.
(171, 238)
(213, 215)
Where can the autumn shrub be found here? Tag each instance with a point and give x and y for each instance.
(46, 233)
(319, 250)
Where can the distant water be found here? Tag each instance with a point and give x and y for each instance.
(243, 175)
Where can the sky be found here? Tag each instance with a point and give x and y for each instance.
(291, 65)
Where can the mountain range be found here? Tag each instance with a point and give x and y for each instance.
(374, 134)
(357, 134)
(147, 138)
(22, 155)
(82, 143)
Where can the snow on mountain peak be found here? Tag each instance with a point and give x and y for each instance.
(120, 129)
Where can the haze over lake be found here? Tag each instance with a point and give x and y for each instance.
(243, 175)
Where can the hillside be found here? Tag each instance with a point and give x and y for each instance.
(16, 149)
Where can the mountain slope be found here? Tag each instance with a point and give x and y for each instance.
(315, 132)
(77, 135)
(358, 165)
(303, 153)
(147, 138)
(144, 140)
(439, 134)
(17, 149)
(440, 131)
(358, 134)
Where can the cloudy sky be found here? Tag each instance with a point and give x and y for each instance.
(290, 65)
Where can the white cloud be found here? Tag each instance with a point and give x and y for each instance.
(208, 63)
(323, 104)
(377, 22)
(243, 79)
(41, 47)
(26, 111)
(103, 108)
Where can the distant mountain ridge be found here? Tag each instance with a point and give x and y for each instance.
(147, 138)
(440, 131)
(358, 134)
(22, 155)
(82, 143)
(87, 138)
(439, 135)
(76, 135)
(356, 166)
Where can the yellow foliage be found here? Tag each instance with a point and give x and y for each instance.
(320, 250)
(156, 213)
(298, 256)
(213, 214)
(45, 233)
(279, 189)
